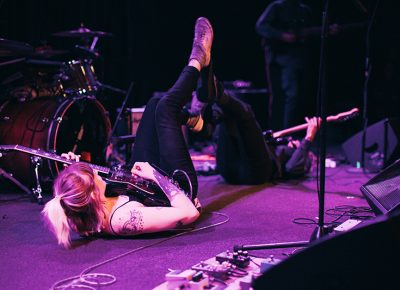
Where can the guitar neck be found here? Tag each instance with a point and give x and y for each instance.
(297, 128)
(51, 156)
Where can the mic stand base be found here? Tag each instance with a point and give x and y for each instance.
(271, 246)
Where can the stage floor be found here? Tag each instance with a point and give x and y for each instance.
(232, 215)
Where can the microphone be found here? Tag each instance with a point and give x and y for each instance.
(92, 53)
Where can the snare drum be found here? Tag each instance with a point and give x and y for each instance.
(58, 125)
(77, 77)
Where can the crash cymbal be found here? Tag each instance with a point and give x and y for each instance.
(12, 48)
(82, 32)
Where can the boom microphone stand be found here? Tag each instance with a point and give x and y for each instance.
(320, 230)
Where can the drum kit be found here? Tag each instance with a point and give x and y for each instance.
(52, 106)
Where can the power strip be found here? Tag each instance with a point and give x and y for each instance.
(347, 225)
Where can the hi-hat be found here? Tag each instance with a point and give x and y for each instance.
(82, 32)
(12, 48)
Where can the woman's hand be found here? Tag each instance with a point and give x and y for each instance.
(143, 169)
(71, 156)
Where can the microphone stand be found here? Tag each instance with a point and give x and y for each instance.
(321, 104)
(321, 230)
(367, 73)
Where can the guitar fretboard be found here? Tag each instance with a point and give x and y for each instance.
(51, 156)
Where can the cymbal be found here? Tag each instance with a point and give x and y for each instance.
(82, 32)
(11, 48)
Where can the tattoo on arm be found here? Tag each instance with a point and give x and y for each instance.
(134, 225)
(166, 185)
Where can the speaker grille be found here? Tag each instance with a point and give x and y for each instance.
(387, 192)
(383, 191)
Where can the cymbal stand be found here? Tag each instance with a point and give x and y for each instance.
(37, 161)
(11, 178)
(94, 42)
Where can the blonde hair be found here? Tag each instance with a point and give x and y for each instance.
(76, 205)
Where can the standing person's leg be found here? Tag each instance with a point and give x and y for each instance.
(291, 89)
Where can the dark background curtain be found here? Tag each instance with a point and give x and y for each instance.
(152, 39)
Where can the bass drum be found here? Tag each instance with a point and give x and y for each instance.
(59, 125)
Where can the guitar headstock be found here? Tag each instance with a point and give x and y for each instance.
(8, 147)
(345, 116)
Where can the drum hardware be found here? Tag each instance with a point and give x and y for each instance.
(37, 191)
(45, 120)
(12, 48)
(47, 51)
(11, 178)
(77, 77)
(52, 124)
(13, 61)
(82, 32)
(111, 88)
(111, 149)
(121, 109)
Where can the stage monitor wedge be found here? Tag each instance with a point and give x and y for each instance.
(383, 191)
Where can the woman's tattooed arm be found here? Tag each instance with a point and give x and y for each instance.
(134, 225)
(166, 185)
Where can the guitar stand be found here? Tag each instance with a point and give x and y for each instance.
(37, 191)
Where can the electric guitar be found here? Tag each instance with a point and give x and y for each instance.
(341, 117)
(119, 181)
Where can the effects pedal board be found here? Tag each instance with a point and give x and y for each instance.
(239, 258)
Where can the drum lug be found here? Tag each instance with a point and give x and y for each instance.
(45, 120)
(5, 118)
(59, 120)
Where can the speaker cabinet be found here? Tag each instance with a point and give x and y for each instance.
(362, 258)
(381, 146)
(383, 191)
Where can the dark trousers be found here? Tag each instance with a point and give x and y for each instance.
(287, 89)
(159, 138)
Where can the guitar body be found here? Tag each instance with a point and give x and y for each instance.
(122, 182)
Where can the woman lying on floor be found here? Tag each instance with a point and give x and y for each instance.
(80, 203)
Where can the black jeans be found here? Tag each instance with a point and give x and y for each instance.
(159, 138)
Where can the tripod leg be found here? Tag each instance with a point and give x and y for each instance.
(9, 176)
